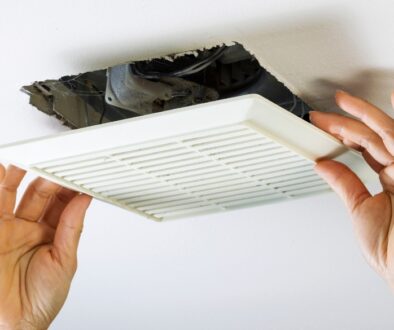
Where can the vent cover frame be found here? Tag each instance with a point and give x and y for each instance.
(237, 117)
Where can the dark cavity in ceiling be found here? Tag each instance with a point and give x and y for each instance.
(143, 87)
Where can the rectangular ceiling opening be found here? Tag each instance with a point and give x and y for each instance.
(143, 87)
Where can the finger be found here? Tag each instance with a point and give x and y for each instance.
(352, 130)
(57, 205)
(344, 182)
(373, 117)
(392, 99)
(350, 144)
(69, 229)
(386, 177)
(36, 199)
(8, 187)
(2, 172)
(377, 167)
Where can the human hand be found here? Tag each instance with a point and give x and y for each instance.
(38, 249)
(372, 133)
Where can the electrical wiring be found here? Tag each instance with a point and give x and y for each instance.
(194, 68)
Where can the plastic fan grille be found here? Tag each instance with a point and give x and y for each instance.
(211, 170)
(216, 156)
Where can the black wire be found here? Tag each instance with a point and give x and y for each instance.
(195, 67)
(104, 110)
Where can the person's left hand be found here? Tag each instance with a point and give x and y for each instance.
(38, 249)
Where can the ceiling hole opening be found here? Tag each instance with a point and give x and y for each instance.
(140, 88)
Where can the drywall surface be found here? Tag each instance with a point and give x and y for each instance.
(293, 265)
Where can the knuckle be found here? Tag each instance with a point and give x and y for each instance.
(340, 130)
(368, 140)
(388, 171)
(8, 188)
(62, 198)
(386, 177)
(364, 142)
(387, 134)
(37, 191)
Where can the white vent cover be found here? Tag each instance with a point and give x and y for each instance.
(212, 157)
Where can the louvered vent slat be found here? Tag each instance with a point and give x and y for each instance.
(215, 169)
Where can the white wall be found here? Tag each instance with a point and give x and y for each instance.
(293, 265)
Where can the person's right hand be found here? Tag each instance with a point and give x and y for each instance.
(372, 133)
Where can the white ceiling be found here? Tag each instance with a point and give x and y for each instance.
(292, 265)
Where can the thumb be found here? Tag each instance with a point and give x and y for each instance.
(69, 229)
(344, 182)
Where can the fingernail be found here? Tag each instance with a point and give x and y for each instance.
(89, 198)
(317, 169)
(341, 91)
(312, 114)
